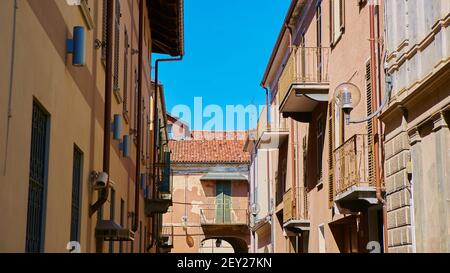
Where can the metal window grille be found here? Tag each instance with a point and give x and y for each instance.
(38, 165)
(112, 209)
(104, 30)
(125, 73)
(77, 171)
(122, 221)
(117, 47)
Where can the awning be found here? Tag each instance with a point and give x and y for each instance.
(224, 177)
(108, 230)
(167, 26)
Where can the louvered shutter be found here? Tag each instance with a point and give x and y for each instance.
(370, 125)
(117, 47)
(331, 147)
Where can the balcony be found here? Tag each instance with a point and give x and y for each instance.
(165, 242)
(295, 211)
(304, 82)
(160, 203)
(224, 219)
(268, 137)
(354, 172)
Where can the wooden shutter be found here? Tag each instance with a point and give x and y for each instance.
(331, 147)
(125, 76)
(116, 47)
(370, 125)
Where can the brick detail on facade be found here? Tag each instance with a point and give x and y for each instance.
(398, 196)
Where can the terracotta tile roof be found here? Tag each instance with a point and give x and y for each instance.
(209, 151)
(219, 135)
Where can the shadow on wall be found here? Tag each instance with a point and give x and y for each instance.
(239, 245)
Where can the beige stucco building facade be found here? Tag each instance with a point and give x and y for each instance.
(320, 202)
(53, 126)
(417, 147)
(210, 195)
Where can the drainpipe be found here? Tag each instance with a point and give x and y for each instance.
(377, 125)
(135, 226)
(11, 81)
(156, 130)
(270, 212)
(103, 195)
(292, 146)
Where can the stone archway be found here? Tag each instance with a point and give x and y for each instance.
(238, 245)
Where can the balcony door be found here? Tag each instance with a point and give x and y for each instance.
(223, 202)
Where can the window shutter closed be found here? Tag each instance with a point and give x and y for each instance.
(370, 129)
(117, 47)
(125, 74)
(331, 148)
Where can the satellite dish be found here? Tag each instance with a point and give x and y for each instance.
(347, 96)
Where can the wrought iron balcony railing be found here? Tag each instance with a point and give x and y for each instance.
(223, 214)
(354, 163)
(295, 209)
(306, 65)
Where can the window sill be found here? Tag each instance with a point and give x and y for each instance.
(118, 96)
(86, 11)
(126, 117)
(337, 40)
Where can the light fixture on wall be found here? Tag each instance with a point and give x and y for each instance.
(76, 46)
(347, 96)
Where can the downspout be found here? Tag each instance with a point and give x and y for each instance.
(269, 209)
(292, 136)
(103, 195)
(137, 179)
(375, 93)
(11, 82)
(381, 133)
(155, 134)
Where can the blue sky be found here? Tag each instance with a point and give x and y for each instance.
(228, 44)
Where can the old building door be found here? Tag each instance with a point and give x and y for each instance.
(223, 202)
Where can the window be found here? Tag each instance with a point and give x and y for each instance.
(337, 20)
(319, 23)
(370, 125)
(140, 237)
(147, 139)
(223, 202)
(122, 221)
(135, 110)
(104, 30)
(170, 130)
(145, 238)
(112, 209)
(37, 179)
(117, 51)
(320, 141)
(125, 76)
(85, 9)
(319, 38)
(322, 248)
(143, 128)
(77, 174)
(331, 147)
